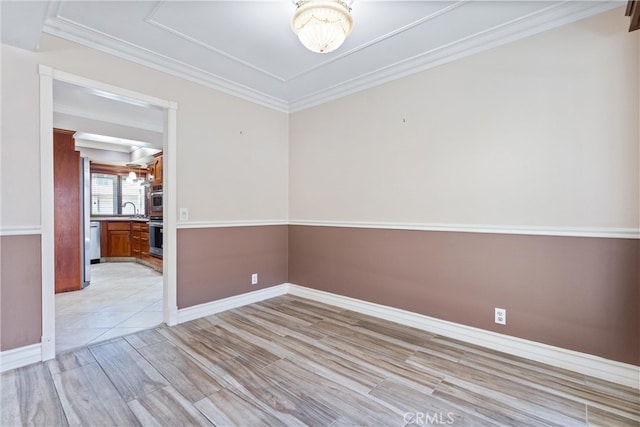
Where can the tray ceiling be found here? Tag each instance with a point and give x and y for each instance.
(247, 48)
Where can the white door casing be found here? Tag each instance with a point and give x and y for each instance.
(170, 309)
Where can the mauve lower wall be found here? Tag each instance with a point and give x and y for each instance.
(20, 284)
(215, 263)
(577, 293)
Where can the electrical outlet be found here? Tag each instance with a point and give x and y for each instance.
(254, 279)
(184, 214)
(501, 316)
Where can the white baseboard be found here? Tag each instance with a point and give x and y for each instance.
(207, 309)
(21, 356)
(27, 355)
(610, 370)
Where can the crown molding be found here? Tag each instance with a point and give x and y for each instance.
(538, 22)
(102, 42)
(543, 20)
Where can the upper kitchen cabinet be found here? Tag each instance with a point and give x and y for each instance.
(157, 169)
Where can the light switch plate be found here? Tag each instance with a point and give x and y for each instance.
(184, 214)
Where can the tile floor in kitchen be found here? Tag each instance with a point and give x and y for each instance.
(123, 297)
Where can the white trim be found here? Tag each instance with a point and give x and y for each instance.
(620, 373)
(219, 224)
(607, 232)
(47, 254)
(603, 232)
(18, 357)
(617, 233)
(20, 230)
(207, 309)
(47, 75)
(170, 258)
(63, 76)
(102, 42)
(610, 370)
(537, 22)
(23, 356)
(112, 118)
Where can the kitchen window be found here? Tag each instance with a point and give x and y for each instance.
(109, 192)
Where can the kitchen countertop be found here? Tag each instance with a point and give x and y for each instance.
(119, 218)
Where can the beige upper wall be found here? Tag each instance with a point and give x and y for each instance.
(232, 155)
(540, 132)
(543, 131)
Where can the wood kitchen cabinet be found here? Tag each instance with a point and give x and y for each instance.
(67, 212)
(157, 170)
(119, 239)
(127, 239)
(140, 240)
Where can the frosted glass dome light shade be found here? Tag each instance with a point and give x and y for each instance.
(322, 25)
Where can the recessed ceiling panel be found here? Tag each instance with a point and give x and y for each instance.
(259, 33)
(256, 34)
(128, 25)
(247, 48)
(21, 22)
(444, 32)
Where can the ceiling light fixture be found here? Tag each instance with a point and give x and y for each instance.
(322, 25)
(132, 177)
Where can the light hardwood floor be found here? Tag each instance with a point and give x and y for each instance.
(290, 361)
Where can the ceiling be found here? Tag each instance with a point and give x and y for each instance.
(96, 104)
(109, 128)
(247, 48)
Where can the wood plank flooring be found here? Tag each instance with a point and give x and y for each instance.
(293, 362)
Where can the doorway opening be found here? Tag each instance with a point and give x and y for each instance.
(152, 283)
(122, 298)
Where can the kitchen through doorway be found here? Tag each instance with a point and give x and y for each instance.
(122, 298)
(104, 216)
(123, 295)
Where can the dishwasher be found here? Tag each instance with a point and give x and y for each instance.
(94, 245)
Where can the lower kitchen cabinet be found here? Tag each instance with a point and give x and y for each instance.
(119, 239)
(140, 240)
(127, 239)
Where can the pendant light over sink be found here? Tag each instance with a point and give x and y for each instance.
(132, 177)
(322, 25)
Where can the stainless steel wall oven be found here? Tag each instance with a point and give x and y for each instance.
(155, 201)
(155, 237)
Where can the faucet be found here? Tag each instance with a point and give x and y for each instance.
(135, 210)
